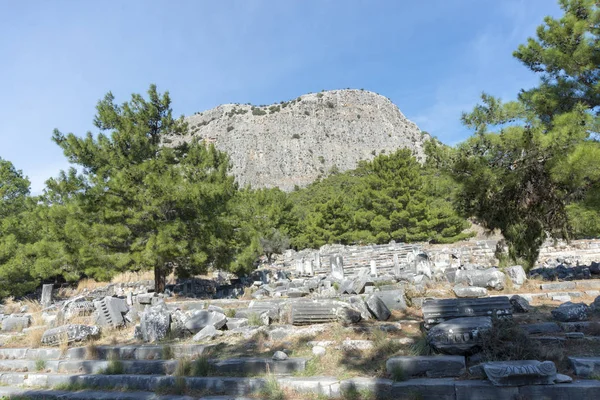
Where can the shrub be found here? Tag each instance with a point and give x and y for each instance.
(322, 159)
(40, 365)
(330, 104)
(295, 136)
(229, 128)
(306, 113)
(230, 313)
(201, 367)
(254, 319)
(258, 111)
(319, 95)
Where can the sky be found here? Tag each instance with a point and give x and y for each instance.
(432, 58)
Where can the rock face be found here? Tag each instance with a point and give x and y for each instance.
(294, 142)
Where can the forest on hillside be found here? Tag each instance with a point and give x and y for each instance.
(530, 170)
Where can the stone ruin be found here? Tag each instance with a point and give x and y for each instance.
(361, 286)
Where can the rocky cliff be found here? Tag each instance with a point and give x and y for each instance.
(293, 143)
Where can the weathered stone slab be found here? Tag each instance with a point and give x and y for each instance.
(14, 323)
(317, 385)
(233, 323)
(519, 373)
(469, 291)
(256, 366)
(542, 327)
(578, 390)
(428, 366)
(378, 308)
(393, 299)
(440, 310)
(517, 274)
(474, 389)
(110, 312)
(595, 284)
(570, 312)
(337, 266)
(424, 389)
(519, 304)
(202, 318)
(585, 367)
(70, 333)
(487, 278)
(46, 298)
(459, 336)
(380, 388)
(309, 312)
(558, 286)
(155, 323)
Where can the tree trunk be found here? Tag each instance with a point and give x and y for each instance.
(160, 279)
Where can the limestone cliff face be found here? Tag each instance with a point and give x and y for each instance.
(294, 142)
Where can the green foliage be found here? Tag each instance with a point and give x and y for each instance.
(392, 197)
(147, 206)
(296, 136)
(531, 168)
(258, 111)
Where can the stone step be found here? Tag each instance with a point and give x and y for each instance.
(429, 366)
(132, 352)
(322, 386)
(48, 394)
(241, 366)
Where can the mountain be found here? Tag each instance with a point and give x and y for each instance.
(295, 142)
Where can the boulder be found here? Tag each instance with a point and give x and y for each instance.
(348, 315)
(207, 333)
(319, 351)
(458, 336)
(595, 268)
(378, 308)
(469, 291)
(571, 312)
(393, 299)
(233, 323)
(517, 274)
(519, 304)
(155, 323)
(487, 278)
(14, 323)
(203, 318)
(280, 356)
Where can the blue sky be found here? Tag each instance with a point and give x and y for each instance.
(432, 58)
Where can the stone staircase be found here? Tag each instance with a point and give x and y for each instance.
(146, 373)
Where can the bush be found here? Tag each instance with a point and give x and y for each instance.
(258, 111)
(330, 104)
(229, 128)
(295, 136)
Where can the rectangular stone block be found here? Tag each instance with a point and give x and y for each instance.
(558, 286)
(586, 367)
(429, 366)
(424, 389)
(480, 390)
(440, 310)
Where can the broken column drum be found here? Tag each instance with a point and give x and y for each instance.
(436, 311)
(308, 312)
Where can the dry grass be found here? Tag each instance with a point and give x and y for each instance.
(34, 337)
(10, 306)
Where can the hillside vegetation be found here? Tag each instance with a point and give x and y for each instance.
(148, 196)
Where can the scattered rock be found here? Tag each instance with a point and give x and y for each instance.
(469, 291)
(486, 278)
(519, 304)
(202, 318)
(458, 336)
(348, 315)
(280, 356)
(155, 323)
(69, 333)
(209, 332)
(378, 308)
(571, 312)
(319, 351)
